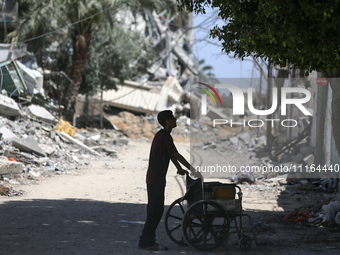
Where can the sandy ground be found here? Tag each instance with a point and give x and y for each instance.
(100, 210)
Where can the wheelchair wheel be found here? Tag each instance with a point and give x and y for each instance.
(173, 221)
(206, 225)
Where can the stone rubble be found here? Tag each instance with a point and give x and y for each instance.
(252, 145)
(31, 148)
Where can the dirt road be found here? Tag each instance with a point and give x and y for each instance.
(100, 210)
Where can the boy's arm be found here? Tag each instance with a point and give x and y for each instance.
(178, 157)
(180, 170)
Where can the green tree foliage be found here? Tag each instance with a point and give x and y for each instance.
(303, 33)
(116, 55)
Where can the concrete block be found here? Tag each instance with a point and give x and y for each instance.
(8, 106)
(79, 143)
(7, 134)
(244, 137)
(49, 150)
(41, 113)
(15, 126)
(234, 140)
(28, 145)
(9, 167)
(121, 141)
(262, 141)
(52, 134)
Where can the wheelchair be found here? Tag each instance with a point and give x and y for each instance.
(206, 216)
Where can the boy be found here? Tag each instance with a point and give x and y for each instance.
(162, 151)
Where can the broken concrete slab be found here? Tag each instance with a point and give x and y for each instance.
(10, 168)
(121, 141)
(23, 157)
(245, 137)
(7, 134)
(109, 151)
(15, 126)
(234, 140)
(28, 145)
(79, 137)
(49, 150)
(41, 113)
(251, 142)
(78, 143)
(8, 107)
(262, 141)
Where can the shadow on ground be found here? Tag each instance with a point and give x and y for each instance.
(94, 227)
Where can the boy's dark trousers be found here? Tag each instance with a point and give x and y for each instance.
(155, 210)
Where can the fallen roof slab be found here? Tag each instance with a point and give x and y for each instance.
(8, 106)
(28, 145)
(41, 113)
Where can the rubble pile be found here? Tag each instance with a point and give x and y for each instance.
(134, 126)
(243, 148)
(36, 145)
(31, 149)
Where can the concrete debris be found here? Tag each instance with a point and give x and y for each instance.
(8, 106)
(121, 141)
(32, 149)
(78, 143)
(9, 167)
(9, 191)
(233, 140)
(245, 137)
(33, 79)
(331, 210)
(40, 149)
(47, 149)
(41, 113)
(28, 145)
(4, 191)
(134, 126)
(7, 134)
(64, 126)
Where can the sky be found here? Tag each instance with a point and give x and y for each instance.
(224, 66)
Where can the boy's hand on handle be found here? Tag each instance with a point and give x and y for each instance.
(195, 173)
(181, 171)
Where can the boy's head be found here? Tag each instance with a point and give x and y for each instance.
(163, 116)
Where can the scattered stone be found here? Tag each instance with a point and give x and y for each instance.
(245, 137)
(10, 168)
(4, 191)
(234, 140)
(28, 145)
(41, 113)
(8, 106)
(78, 143)
(49, 150)
(283, 182)
(7, 134)
(120, 141)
